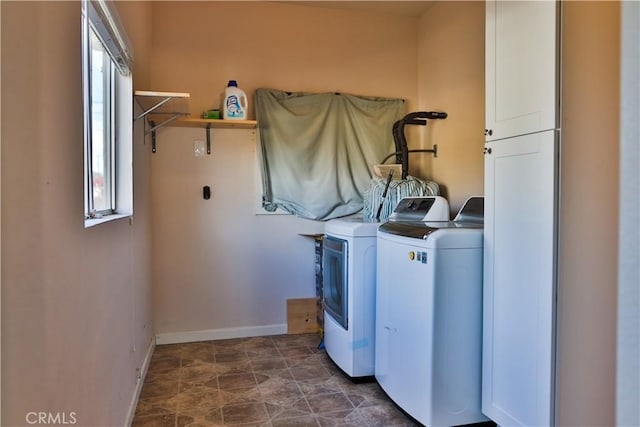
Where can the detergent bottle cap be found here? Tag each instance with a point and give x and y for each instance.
(232, 83)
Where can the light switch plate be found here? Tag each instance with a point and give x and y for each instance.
(199, 148)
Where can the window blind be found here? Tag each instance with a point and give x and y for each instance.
(104, 20)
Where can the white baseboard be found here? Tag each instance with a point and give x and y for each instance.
(220, 334)
(140, 382)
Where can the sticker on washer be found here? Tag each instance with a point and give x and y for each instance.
(418, 256)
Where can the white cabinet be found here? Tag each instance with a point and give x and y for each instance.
(519, 279)
(520, 69)
(521, 169)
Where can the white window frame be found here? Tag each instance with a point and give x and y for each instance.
(99, 18)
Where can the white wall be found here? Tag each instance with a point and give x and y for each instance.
(76, 314)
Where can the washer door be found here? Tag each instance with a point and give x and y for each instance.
(334, 271)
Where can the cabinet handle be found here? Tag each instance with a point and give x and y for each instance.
(488, 132)
(487, 150)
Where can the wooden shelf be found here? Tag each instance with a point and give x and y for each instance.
(195, 122)
(166, 103)
(171, 108)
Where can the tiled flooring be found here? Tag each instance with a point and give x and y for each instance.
(272, 381)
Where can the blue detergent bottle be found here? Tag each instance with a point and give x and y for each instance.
(235, 102)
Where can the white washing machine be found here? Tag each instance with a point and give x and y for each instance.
(429, 316)
(349, 286)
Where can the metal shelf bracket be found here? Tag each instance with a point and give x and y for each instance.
(159, 105)
(153, 136)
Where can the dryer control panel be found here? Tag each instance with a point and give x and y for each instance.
(427, 208)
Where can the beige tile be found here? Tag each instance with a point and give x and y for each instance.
(286, 341)
(315, 386)
(244, 413)
(231, 356)
(194, 356)
(227, 368)
(163, 364)
(159, 388)
(259, 343)
(212, 418)
(230, 343)
(199, 373)
(304, 421)
(269, 364)
(277, 381)
(263, 353)
(167, 350)
(211, 385)
(280, 391)
(322, 403)
(240, 395)
(197, 346)
(198, 402)
(165, 375)
(385, 415)
(168, 420)
(296, 351)
(310, 359)
(347, 418)
(239, 380)
(291, 409)
(310, 372)
(156, 406)
(362, 395)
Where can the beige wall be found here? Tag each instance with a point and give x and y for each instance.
(451, 79)
(199, 46)
(452, 51)
(136, 17)
(588, 214)
(218, 266)
(76, 315)
(66, 338)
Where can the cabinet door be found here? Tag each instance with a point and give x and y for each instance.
(520, 68)
(519, 280)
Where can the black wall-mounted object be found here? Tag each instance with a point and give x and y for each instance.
(206, 192)
(418, 118)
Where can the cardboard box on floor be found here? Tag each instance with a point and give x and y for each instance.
(302, 316)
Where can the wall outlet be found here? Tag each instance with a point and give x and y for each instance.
(199, 149)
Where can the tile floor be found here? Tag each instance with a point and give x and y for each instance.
(274, 381)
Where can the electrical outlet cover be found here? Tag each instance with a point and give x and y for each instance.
(199, 148)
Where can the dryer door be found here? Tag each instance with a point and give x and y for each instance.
(334, 271)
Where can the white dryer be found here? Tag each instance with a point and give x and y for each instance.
(349, 285)
(429, 316)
